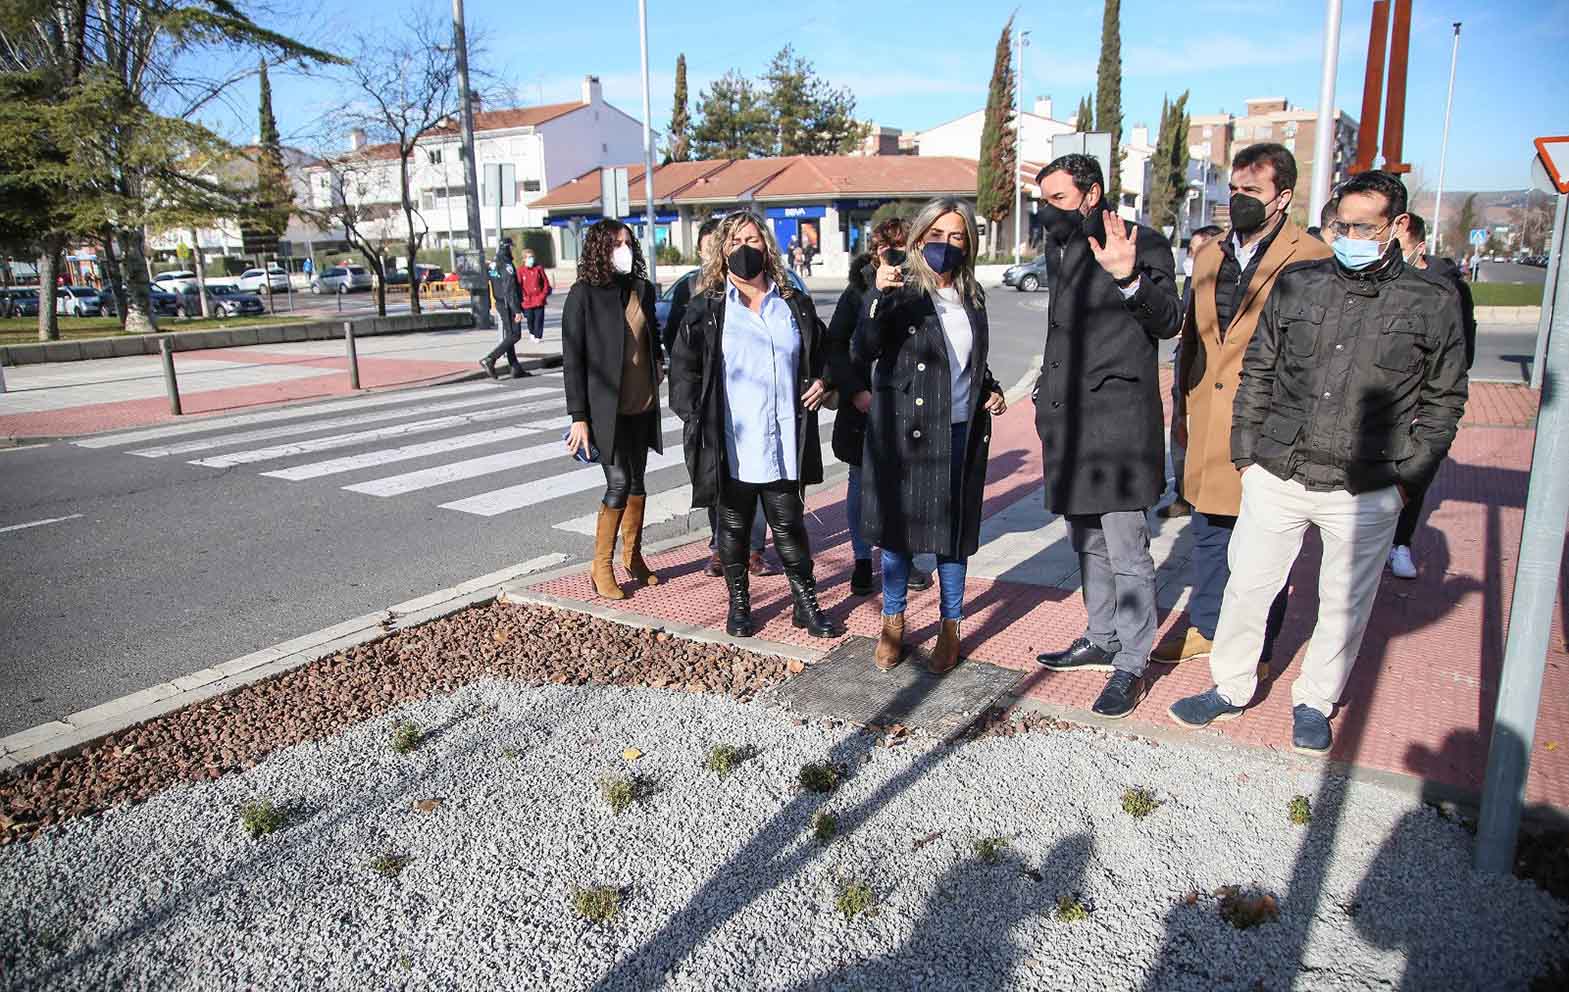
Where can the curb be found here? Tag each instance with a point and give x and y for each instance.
(75, 731)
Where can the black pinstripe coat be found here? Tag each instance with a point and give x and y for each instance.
(907, 504)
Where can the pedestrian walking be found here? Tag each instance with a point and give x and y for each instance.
(746, 376)
(923, 348)
(1099, 417)
(610, 363)
(1351, 391)
(1177, 433)
(1411, 230)
(508, 304)
(1231, 285)
(680, 297)
(534, 283)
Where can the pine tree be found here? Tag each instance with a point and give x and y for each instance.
(733, 120)
(678, 142)
(995, 181)
(274, 195)
(809, 117)
(1085, 121)
(1108, 95)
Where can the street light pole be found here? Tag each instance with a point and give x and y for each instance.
(648, 148)
(1324, 127)
(1443, 149)
(478, 303)
(1018, 143)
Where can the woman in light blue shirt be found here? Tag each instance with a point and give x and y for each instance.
(746, 375)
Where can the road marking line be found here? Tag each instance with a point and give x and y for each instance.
(267, 434)
(439, 475)
(38, 523)
(373, 459)
(360, 437)
(542, 490)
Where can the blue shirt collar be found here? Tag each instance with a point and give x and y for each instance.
(731, 293)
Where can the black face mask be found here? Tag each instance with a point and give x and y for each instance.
(1061, 224)
(1247, 213)
(746, 262)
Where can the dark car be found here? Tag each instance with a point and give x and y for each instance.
(164, 303)
(667, 298)
(427, 274)
(223, 301)
(19, 301)
(1027, 276)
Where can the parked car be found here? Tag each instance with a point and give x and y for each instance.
(257, 281)
(1028, 276)
(164, 303)
(175, 282)
(77, 301)
(667, 298)
(19, 301)
(427, 274)
(341, 279)
(222, 301)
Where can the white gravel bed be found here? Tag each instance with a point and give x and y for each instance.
(724, 887)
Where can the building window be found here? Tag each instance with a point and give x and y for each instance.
(531, 185)
(604, 148)
(433, 156)
(1209, 132)
(428, 201)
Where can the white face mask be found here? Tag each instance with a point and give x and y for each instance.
(528, 261)
(621, 258)
(1187, 266)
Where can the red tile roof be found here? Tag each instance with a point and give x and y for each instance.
(496, 120)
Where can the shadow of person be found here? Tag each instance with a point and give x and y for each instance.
(992, 900)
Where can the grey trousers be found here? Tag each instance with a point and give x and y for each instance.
(1119, 584)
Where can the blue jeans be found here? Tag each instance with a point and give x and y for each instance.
(852, 508)
(950, 571)
(1211, 572)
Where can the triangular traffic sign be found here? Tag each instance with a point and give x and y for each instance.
(1555, 158)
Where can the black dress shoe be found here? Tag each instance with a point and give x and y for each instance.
(919, 581)
(861, 578)
(490, 369)
(1082, 655)
(519, 373)
(1122, 693)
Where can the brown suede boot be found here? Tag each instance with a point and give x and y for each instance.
(890, 643)
(946, 654)
(632, 543)
(602, 571)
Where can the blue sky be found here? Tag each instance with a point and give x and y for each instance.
(916, 63)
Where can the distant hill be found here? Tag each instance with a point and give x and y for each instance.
(1496, 206)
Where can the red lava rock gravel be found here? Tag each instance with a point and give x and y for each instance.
(234, 731)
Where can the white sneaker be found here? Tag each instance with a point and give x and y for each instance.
(1400, 562)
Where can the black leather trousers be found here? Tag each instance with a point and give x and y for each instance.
(625, 467)
(782, 508)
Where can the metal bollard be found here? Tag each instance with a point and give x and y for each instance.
(171, 385)
(354, 358)
(2, 377)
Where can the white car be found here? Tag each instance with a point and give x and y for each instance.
(179, 282)
(257, 281)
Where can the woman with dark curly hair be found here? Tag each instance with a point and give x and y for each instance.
(610, 359)
(746, 375)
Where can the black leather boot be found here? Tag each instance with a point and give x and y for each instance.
(739, 621)
(808, 615)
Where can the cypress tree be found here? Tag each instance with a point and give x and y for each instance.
(1085, 121)
(274, 196)
(996, 175)
(1108, 95)
(678, 145)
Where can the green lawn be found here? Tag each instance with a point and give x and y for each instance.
(25, 330)
(1506, 294)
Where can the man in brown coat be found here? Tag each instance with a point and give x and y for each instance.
(1232, 279)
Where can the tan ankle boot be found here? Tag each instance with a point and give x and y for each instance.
(602, 571)
(946, 654)
(632, 543)
(890, 643)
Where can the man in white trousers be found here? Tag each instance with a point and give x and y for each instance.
(1352, 389)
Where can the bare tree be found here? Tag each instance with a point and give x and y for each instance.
(360, 200)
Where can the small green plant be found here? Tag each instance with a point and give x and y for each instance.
(989, 849)
(1301, 812)
(596, 903)
(1244, 910)
(54, 939)
(824, 826)
(722, 759)
(1071, 910)
(855, 899)
(511, 753)
(389, 864)
(406, 737)
(261, 818)
(621, 791)
(1139, 802)
(820, 776)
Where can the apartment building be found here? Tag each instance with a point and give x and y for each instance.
(1216, 138)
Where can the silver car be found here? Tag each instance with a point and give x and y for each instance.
(341, 279)
(257, 281)
(77, 301)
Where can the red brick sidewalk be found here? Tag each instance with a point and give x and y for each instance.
(1420, 702)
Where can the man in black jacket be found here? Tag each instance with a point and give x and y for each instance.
(507, 297)
(1352, 389)
(1098, 413)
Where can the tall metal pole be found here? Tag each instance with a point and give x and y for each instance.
(648, 147)
(1324, 127)
(1433, 240)
(1018, 134)
(1531, 613)
(478, 303)
(1549, 293)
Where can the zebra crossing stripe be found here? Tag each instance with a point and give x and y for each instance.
(373, 459)
(490, 398)
(501, 461)
(542, 490)
(360, 437)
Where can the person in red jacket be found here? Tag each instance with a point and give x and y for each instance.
(536, 290)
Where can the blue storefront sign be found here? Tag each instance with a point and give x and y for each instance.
(795, 213)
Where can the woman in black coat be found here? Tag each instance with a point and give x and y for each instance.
(610, 360)
(746, 375)
(923, 348)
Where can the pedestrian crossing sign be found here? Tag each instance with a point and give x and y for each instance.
(1554, 153)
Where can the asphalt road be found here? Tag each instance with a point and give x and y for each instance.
(1511, 272)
